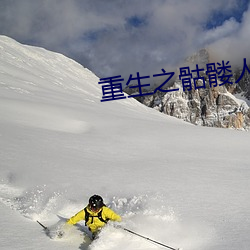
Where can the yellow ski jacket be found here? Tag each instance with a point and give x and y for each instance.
(94, 223)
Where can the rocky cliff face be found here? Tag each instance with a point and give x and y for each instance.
(210, 106)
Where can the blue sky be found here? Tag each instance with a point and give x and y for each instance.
(118, 37)
(218, 17)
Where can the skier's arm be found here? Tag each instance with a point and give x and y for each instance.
(77, 217)
(110, 214)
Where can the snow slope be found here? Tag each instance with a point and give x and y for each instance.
(176, 183)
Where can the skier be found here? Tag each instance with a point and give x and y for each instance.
(95, 214)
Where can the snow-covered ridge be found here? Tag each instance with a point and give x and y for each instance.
(41, 77)
(27, 69)
(35, 75)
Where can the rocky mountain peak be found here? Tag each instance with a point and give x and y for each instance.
(201, 58)
(218, 106)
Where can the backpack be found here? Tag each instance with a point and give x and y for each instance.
(88, 216)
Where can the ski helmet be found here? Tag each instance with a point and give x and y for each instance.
(95, 202)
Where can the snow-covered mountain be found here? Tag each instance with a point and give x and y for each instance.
(225, 106)
(179, 184)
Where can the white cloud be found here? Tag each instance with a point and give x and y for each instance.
(98, 34)
(228, 28)
(235, 46)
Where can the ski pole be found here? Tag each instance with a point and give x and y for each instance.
(146, 238)
(45, 228)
